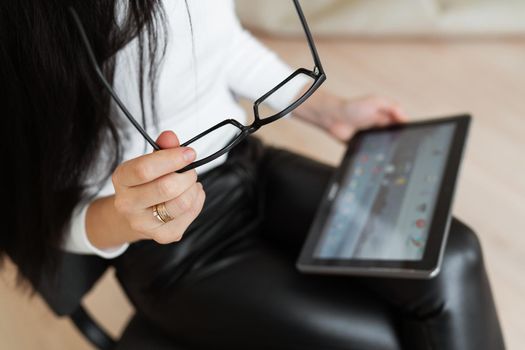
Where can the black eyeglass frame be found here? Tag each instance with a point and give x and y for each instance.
(317, 74)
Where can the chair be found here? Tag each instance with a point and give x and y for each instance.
(64, 294)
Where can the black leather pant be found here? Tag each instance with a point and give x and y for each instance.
(231, 282)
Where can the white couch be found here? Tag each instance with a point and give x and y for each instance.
(388, 17)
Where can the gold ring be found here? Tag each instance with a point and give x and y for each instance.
(161, 213)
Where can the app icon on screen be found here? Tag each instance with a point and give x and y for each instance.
(421, 223)
(400, 181)
(416, 241)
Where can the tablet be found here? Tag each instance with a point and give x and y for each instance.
(387, 209)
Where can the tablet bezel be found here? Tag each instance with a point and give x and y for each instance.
(430, 264)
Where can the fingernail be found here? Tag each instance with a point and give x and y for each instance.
(188, 154)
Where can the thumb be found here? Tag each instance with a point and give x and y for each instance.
(168, 139)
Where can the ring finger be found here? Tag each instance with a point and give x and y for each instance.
(146, 221)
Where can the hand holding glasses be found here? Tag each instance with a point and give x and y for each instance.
(314, 77)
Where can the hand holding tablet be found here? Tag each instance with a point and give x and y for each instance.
(387, 209)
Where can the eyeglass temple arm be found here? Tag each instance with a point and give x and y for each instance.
(108, 86)
(309, 37)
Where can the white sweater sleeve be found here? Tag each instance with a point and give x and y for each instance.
(77, 241)
(253, 69)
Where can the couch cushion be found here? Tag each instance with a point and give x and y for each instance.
(388, 18)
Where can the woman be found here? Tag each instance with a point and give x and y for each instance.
(207, 255)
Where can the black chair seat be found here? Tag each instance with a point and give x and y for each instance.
(140, 334)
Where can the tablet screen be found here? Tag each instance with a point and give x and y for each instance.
(386, 200)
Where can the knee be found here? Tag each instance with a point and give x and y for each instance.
(463, 246)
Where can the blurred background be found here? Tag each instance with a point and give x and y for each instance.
(384, 18)
(436, 58)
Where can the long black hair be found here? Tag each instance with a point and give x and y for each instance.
(56, 116)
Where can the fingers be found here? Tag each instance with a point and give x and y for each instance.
(151, 166)
(151, 179)
(145, 222)
(342, 131)
(395, 114)
(398, 114)
(162, 189)
(392, 109)
(383, 111)
(168, 139)
(383, 119)
(180, 205)
(174, 230)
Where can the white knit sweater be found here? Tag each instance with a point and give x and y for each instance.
(202, 74)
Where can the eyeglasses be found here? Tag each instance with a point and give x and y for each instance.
(312, 80)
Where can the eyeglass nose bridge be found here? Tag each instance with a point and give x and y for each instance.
(256, 125)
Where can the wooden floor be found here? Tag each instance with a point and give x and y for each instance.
(430, 78)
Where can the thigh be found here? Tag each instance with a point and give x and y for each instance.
(292, 187)
(248, 294)
(255, 299)
(455, 310)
